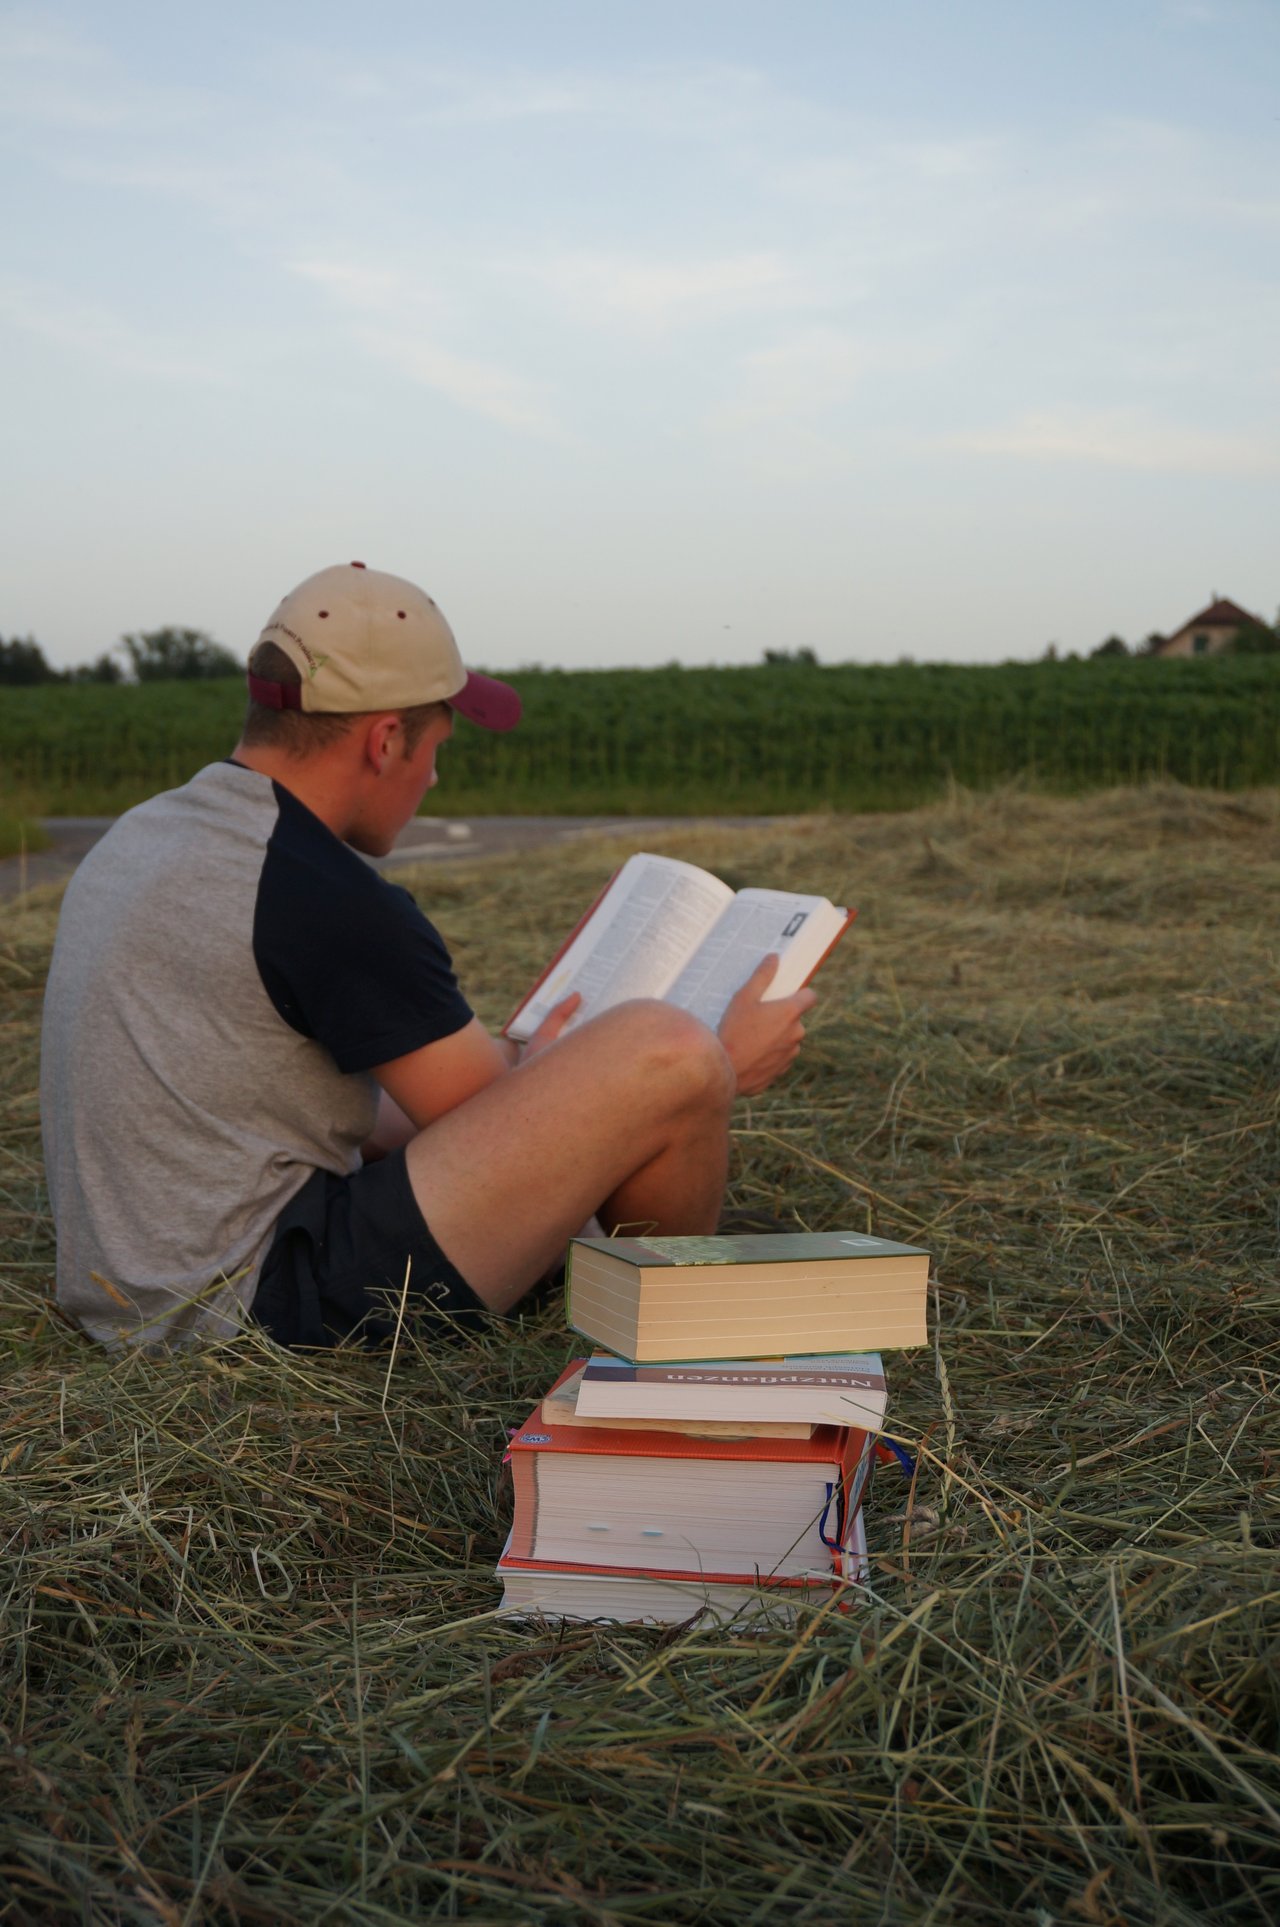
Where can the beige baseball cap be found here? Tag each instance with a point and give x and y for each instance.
(362, 640)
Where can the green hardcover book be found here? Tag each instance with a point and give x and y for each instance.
(673, 1299)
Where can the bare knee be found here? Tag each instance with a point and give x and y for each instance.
(670, 1050)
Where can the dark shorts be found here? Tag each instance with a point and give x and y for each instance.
(336, 1267)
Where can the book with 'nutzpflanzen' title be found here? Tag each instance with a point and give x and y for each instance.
(827, 1389)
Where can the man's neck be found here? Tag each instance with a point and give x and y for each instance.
(316, 781)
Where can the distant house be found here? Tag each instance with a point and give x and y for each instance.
(1209, 633)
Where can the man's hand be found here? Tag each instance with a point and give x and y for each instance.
(552, 1024)
(762, 1039)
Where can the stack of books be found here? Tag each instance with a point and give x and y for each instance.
(716, 1455)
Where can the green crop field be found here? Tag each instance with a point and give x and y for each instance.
(772, 737)
(17, 835)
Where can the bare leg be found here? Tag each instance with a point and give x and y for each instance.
(631, 1109)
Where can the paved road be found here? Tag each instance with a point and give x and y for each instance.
(428, 839)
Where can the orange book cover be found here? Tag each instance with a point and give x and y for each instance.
(763, 1580)
(842, 1446)
(843, 931)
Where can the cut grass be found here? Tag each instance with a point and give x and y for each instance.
(251, 1667)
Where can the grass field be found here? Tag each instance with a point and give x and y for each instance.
(765, 739)
(251, 1670)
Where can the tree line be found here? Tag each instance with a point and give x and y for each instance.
(190, 655)
(1251, 639)
(153, 655)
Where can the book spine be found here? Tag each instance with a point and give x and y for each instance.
(825, 1446)
(849, 916)
(524, 1483)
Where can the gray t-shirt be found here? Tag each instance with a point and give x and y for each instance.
(226, 975)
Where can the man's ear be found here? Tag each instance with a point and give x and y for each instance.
(383, 741)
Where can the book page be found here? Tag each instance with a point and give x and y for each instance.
(649, 922)
(755, 925)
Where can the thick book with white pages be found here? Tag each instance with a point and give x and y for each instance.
(595, 1496)
(663, 928)
(670, 1300)
(533, 1589)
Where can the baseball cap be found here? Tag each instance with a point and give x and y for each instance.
(363, 640)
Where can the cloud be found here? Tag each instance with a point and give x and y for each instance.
(797, 380)
(29, 38)
(396, 319)
(365, 287)
(407, 90)
(701, 102)
(807, 379)
(869, 170)
(98, 334)
(482, 387)
(48, 78)
(785, 417)
(466, 97)
(258, 190)
(972, 158)
(1121, 438)
(86, 115)
(645, 292)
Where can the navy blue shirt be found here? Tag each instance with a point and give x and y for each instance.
(345, 957)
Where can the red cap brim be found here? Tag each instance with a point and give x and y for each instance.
(485, 700)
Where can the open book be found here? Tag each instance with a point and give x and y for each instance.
(663, 928)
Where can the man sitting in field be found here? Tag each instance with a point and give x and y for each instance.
(262, 1089)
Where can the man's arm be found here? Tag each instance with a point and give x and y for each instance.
(426, 1083)
(762, 1040)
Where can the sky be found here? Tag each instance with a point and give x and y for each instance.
(643, 332)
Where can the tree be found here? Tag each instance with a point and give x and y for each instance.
(178, 655)
(104, 669)
(807, 658)
(1256, 639)
(1113, 646)
(23, 661)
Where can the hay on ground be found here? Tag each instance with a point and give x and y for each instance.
(251, 1668)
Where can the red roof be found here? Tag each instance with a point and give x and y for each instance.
(1221, 614)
